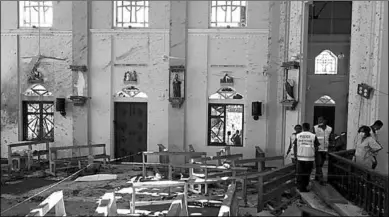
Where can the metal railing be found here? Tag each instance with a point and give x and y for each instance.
(362, 186)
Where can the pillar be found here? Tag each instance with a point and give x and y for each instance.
(177, 53)
(365, 64)
(80, 29)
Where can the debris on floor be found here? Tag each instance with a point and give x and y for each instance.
(97, 177)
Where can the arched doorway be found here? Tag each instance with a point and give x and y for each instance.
(325, 106)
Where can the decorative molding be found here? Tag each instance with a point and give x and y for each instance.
(129, 31)
(228, 31)
(35, 32)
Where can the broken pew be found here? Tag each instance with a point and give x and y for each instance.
(272, 184)
(167, 153)
(29, 144)
(55, 200)
(230, 206)
(53, 152)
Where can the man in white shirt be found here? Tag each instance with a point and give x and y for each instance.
(298, 128)
(323, 133)
(374, 128)
(305, 146)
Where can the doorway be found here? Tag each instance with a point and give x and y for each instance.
(130, 126)
(326, 111)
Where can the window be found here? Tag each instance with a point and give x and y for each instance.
(228, 14)
(226, 93)
(35, 13)
(325, 100)
(225, 125)
(326, 63)
(37, 90)
(131, 92)
(38, 120)
(130, 14)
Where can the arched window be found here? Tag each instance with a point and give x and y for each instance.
(37, 90)
(325, 100)
(131, 92)
(326, 63)
(226, 93)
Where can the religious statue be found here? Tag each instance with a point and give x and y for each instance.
(35, 75)
(130, 76)
(176, 87)
(289, 87)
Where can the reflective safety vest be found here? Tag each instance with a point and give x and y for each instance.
(305, 146)
(323, 137)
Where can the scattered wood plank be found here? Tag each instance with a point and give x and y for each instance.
(328, 193)
(54, 200)
(107, 205)
(315, 202)
(179, 207)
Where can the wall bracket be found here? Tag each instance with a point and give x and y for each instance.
(82, 68)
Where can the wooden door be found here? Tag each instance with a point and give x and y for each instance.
(130, 130)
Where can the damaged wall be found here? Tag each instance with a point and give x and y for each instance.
(17, 48)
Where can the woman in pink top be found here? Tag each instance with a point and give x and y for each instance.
(366, 148)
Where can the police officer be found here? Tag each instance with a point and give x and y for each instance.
(305, 146)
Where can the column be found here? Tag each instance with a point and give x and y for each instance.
(80, 28)
(177, 53)
(365, 65)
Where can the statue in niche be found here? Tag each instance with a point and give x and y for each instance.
(226, 79)
(130, 76)
(35, 75)
(289, 87)
(176, 87)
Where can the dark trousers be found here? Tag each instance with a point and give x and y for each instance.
(320, 158)
(304, 169)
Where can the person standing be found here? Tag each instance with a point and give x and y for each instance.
(374, 129)
(366, 148)
(323, 133)
(297, 129)
(305, 146)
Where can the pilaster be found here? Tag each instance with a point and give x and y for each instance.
(177, 57)
(80, 28)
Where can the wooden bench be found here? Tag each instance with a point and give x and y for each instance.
(55, 200)
(53, 152)
(28, 144)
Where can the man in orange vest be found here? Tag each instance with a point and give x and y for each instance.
(323, 133)
(305, 146)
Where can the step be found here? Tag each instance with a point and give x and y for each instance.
(328, 193)
(314, 201)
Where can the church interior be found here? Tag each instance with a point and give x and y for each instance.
(131, 77)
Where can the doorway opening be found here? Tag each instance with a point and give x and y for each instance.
(130, 126)
(325, 107)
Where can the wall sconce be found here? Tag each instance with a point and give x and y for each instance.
(60, 106)
(256, 110)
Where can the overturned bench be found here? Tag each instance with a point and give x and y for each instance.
(53, 153)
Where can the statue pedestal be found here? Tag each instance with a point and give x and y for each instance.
(289, 104)
(176, 102)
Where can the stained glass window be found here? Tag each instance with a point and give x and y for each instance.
(225, 126)
(131, 92)
(228, 14)
(38, 121)
(226, 93)
(129, 14)
(325, 100)
(35, 13)
(37, 90)
(326, 63)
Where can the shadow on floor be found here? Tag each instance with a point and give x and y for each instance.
(24, 185)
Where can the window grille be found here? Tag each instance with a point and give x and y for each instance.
(326, 63)
(225, 124)
(128, 14)
(38, 120)
(228, 14)
(35, 13)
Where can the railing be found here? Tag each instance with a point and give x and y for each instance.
(366, 188)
